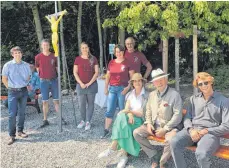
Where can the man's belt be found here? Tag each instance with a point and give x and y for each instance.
(17, 89)
(45, 79)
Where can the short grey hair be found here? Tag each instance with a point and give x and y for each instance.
(130, 38)
(17, 48)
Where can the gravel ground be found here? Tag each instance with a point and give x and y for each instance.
(71, 148)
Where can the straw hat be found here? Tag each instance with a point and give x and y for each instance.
(158, 74)
(137, 76)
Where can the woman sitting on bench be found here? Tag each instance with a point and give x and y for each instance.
(127, 120)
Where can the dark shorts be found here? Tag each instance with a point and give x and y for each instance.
(92, 89)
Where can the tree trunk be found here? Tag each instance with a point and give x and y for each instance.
(195, 56)
(100, 37)
(177, 69)
(165, 56)
(62, 49)
(105, 46)
(121, 37)
(121, 33)
(79, 24)
(37, 22)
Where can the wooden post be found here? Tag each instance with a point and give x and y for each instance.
(62, 48)
(59, 80)
(177, 68)
(165, 56)
(121, 32)
(121, 37)
(79, 23)
(195, 56)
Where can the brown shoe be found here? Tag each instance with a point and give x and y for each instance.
(22, 134)
(11, 140)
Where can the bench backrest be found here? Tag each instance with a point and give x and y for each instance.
(226, 136)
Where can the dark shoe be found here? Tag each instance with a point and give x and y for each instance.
(105, 134)
(156, 160)
(29, 99)
(22, 134)
(11, 140)
(64, 122)
(45, 123)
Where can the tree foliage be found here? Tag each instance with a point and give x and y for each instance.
(148, 21)
(165, 19)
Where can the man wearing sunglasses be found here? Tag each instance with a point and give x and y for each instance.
(206, 120)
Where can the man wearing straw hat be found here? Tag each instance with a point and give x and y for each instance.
(163, 117)
(206, 119)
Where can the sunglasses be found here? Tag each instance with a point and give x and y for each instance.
(203, 83)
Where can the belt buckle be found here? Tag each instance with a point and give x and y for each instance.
(17, 89)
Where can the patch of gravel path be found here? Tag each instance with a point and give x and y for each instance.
(72, 148)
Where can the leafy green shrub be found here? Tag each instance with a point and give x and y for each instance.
(221, 76)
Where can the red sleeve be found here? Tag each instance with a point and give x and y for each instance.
(37, 61)
(95, 61)
(76, 62)
(143, 58)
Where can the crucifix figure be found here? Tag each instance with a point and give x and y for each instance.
(54, 27)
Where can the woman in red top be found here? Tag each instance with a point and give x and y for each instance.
(86, 71)
(118, 74)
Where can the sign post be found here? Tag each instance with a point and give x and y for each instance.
(111, 50)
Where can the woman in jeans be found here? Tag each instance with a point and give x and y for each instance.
(118, 74)
(86, 71)
(127, 120)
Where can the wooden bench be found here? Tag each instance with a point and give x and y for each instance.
(222, 152)
(33, 103)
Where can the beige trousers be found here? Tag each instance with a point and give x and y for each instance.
(141, 134)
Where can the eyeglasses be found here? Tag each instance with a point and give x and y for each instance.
(203, 83)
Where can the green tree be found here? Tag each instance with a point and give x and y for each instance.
(170, 18)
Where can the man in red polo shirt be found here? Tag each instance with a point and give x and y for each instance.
(46, 65)
(136, 58)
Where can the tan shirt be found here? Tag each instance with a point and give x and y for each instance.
(167, 109)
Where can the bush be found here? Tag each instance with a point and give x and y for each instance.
(221, 76)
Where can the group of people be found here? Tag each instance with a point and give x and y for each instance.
(86, 71)
(141, 114)
(159, 114)
(22, 81)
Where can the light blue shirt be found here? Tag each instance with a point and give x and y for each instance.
(17, 74)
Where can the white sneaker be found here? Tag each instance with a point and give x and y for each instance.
(81, 124)
(106, 153)
(88, 126)
(122, 162)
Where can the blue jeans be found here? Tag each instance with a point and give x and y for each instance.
(16, 104)
(47, 86)
(114, 96)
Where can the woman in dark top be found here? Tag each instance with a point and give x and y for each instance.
(86, 71)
